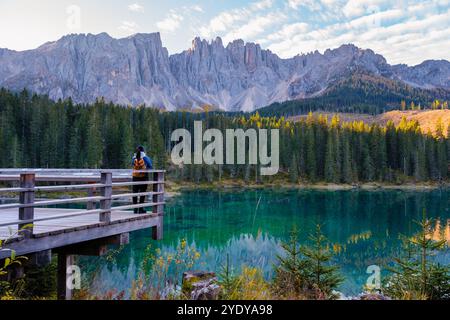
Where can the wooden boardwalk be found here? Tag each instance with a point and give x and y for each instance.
(63, 232)
(31, 228)
(63, 224)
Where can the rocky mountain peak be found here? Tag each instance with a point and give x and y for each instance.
(240, 76)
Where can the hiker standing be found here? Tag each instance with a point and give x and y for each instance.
(140, 162)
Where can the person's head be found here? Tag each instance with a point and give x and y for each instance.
(138, 151)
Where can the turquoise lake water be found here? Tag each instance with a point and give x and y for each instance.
(248, 226)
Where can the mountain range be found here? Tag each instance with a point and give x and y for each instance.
(237, 77)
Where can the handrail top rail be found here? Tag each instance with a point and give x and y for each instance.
(71, 175)
(75, 171)
(80, 186)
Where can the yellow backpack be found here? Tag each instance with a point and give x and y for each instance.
(139, 164)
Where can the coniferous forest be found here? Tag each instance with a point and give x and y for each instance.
(40, 133)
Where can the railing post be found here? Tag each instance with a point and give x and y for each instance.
(157, 231)
(91, 204)
(158, 187)
(106, 192)
(27, 180)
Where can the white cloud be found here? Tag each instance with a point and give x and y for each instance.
(294, 4)
(243, 22)
(403, 31)
(254, 27)
(313, 5)
(354, 8)
(408, 38)
(376, 18)
(171, 23)
(223, 21)
(136, 7)
(261, 5)
(128, 26)
(289, 30)
(197, 8)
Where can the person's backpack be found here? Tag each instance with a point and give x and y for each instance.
(139, 164)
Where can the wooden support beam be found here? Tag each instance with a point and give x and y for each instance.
(64, 280)
(118, 240)
(41, 258)
(158, 229)
(95, 248)
(27, 180)
(90, 250)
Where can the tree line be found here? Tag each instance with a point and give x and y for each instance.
(37, 132)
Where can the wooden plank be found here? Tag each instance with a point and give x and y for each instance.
(130, 195)
(138, 183)
(30, 245)
(65, 222)
(50, 203)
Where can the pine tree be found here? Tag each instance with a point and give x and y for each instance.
(125, 141)
(367, 169)
(330, 165)
(94, 154)
(322, 276)
(347, 171)
(311, 165)
(289, 280)
(417, 276)
(293, 170)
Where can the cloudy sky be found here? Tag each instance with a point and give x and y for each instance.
(404, 31)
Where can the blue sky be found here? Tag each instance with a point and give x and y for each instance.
(404, 31)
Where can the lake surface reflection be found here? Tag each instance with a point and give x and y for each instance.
(364, 227)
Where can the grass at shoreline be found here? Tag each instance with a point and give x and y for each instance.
(175, 186)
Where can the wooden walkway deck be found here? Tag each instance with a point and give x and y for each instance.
(68, 231)
(62, 225)
(31, 228)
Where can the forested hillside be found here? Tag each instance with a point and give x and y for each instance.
(430, 121)
(363, 93)
(37, 132)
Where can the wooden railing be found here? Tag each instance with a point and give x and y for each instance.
(91, 180)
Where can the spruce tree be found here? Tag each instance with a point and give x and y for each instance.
(290, 280)
(417, 276)
(322, 276)
(311, 165)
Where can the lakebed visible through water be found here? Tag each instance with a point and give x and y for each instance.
(364, 228)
